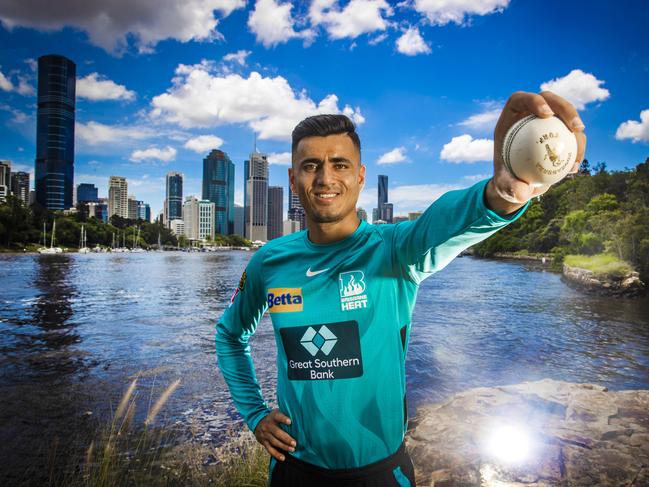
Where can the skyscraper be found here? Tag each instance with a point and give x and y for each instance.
(218, 187)
(20, 186)
(256, 197)
(174, 196)
(143, 211)
(362, 214)
(5, 180)
(238, 220)
(117, 197)
(383, 191)
(132, 207)
(87, 193)
(190, 217)
(55, 132)
(385, 209)
(295, 209)
(275, 212)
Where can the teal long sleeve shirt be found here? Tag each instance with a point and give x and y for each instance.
(341, 316)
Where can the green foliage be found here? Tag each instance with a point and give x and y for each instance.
(593, 212)
(600, 264)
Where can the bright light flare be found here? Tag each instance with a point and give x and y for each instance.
(510, 444)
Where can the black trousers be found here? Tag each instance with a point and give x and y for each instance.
(395, 470)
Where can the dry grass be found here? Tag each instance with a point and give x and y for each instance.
(124, 453)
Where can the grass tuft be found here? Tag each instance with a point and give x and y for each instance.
(600, 264)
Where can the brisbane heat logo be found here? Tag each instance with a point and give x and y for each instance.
(285, 299)
(352, 290)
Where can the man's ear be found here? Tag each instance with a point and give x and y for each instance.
(361, 176)
(291, 179)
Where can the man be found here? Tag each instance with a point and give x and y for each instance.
(341, 297)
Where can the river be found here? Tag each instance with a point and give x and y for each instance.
(76, 329)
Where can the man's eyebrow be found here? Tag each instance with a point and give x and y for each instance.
(334, 160)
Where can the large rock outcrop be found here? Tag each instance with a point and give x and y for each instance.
(545, 433)
(627, 285)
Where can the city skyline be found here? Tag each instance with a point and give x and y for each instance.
(425, 85)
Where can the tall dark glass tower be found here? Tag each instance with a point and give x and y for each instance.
(275, 212)
(174, 193)
(55, 132)
(383, 190)
(218, 187)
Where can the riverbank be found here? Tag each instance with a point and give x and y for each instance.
(542, 433)
(604, 274)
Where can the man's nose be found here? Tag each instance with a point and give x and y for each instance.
(325, 175)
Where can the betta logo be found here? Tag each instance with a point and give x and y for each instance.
(284, 300)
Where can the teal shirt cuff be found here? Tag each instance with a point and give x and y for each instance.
(492, 215)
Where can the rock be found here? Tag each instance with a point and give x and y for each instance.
(577, 435)
(628, 285)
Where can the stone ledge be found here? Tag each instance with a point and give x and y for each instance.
(628, 285)
(580, 435)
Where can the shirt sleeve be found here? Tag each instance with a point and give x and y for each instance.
(451, 224)
(233, 330)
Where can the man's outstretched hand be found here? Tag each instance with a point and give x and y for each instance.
(272, 437)
(505, 193)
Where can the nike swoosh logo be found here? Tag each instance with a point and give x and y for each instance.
(310, 273)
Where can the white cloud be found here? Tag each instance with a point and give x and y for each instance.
(280, 158)
(272, 23)
(474, 178)
(578, 88)
(19, 117)
(110, 23)
(357, 18)
(95, 87)
(5, 83)
(442, 12)
(24, 88)
(95, 133)
(378, 39)
(412, 43)
(394, 156)
(204, 143)
(237, 57)
(465, 148)
(270, 106)
(634, 130)
(485, 120)
(166, 154)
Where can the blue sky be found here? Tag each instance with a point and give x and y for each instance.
(162, 82)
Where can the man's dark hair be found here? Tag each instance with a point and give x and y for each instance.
(323, 125)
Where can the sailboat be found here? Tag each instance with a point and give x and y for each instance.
(83, 249)
(137, 242)
(51, 249)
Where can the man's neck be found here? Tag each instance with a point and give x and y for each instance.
(330, 232)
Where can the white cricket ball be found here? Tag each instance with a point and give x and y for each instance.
(539, 151)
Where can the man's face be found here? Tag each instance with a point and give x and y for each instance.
(328, 176)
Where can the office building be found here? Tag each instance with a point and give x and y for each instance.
(383, 190)
(5, 180)
(143, 211)
(117, 197)
(375, 215)
(174, 196)
(132, 207)
(399, 219)
(20, 186)
(362, 214)
(275, 212)
(291, 226)
(384, 208)
(99, 210)
(295, 209)
(87, 193)
(256, 197)
(218, 187)
(54, 177)
(206, 219)
(177, 227)
(190, 217)
(238, 220)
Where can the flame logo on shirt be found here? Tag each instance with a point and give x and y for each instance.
(352, 283)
